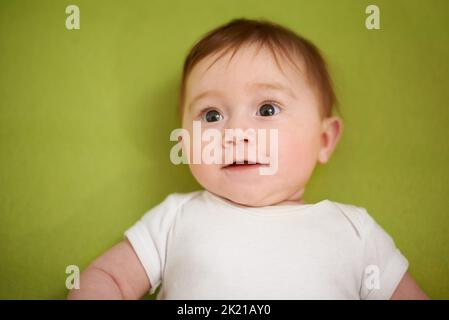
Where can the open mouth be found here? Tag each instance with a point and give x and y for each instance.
(243, 165)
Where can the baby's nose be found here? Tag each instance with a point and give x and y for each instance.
(229, 140)
(236, 136)
(238, 130)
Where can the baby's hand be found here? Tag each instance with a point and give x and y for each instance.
(117, 274)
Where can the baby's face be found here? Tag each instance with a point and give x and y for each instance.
(251, 92)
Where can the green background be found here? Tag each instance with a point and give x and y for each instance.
(85, 118)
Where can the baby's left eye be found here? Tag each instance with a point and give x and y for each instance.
(268, 110)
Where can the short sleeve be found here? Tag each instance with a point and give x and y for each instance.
(149, 237)
(383, 263)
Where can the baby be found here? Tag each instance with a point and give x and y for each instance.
(250, 235)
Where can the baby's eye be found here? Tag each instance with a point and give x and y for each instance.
(268, 110)
(212, 116)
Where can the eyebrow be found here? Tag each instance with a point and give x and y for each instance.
(274, 86)
(214, 93)
(258, 85)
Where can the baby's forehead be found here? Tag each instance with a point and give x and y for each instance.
(247, 66)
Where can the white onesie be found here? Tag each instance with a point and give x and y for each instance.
(200, 246)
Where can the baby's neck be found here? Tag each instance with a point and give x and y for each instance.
(294, 199)
(290, 202)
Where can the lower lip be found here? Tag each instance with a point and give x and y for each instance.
(243, 167)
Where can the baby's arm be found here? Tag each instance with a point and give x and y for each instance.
(117, 274)
(408, 289)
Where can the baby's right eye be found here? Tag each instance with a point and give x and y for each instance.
(212, 116)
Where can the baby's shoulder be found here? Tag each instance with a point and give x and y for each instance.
(357, 216)
(166, 211)
(178, 199)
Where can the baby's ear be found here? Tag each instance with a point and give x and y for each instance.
(332, 128)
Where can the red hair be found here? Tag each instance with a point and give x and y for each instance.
(278, 39)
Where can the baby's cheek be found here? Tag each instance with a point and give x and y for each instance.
(297, 152)
(204, 173)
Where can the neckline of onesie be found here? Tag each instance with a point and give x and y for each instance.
(272, 210)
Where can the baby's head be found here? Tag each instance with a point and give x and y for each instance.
(253, 75)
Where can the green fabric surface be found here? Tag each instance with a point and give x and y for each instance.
(85, 118)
